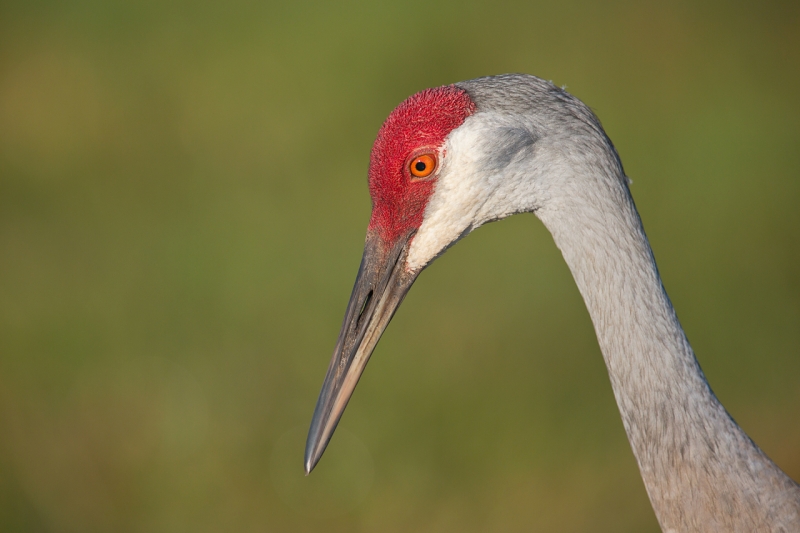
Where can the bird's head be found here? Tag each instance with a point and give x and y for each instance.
(445, 161)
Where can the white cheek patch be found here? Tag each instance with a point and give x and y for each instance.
(451, 208)
(471, 188)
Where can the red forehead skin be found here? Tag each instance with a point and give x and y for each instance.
(422, 122)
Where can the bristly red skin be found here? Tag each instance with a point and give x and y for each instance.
(420, 124)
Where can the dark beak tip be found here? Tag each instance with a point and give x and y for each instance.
(308, 460)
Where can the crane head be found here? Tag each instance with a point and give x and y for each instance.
(445, 161)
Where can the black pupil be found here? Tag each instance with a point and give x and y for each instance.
(420, 166)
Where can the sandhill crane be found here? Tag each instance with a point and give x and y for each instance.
(450, 159)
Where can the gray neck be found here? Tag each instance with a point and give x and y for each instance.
(701, 471)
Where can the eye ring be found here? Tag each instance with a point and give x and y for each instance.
(422, 166)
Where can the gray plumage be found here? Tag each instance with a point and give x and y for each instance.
(701, 471)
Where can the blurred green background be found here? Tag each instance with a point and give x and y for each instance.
(183, 204)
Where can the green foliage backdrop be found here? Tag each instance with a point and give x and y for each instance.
(182, 210)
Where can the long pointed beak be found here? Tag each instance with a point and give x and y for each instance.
(380, 287)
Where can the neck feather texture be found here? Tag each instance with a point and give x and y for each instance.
(701, 471)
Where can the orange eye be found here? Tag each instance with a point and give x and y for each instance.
(423, 166)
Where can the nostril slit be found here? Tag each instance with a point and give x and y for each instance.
(364, 308)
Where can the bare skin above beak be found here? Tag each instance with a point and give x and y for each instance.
(380, 287)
